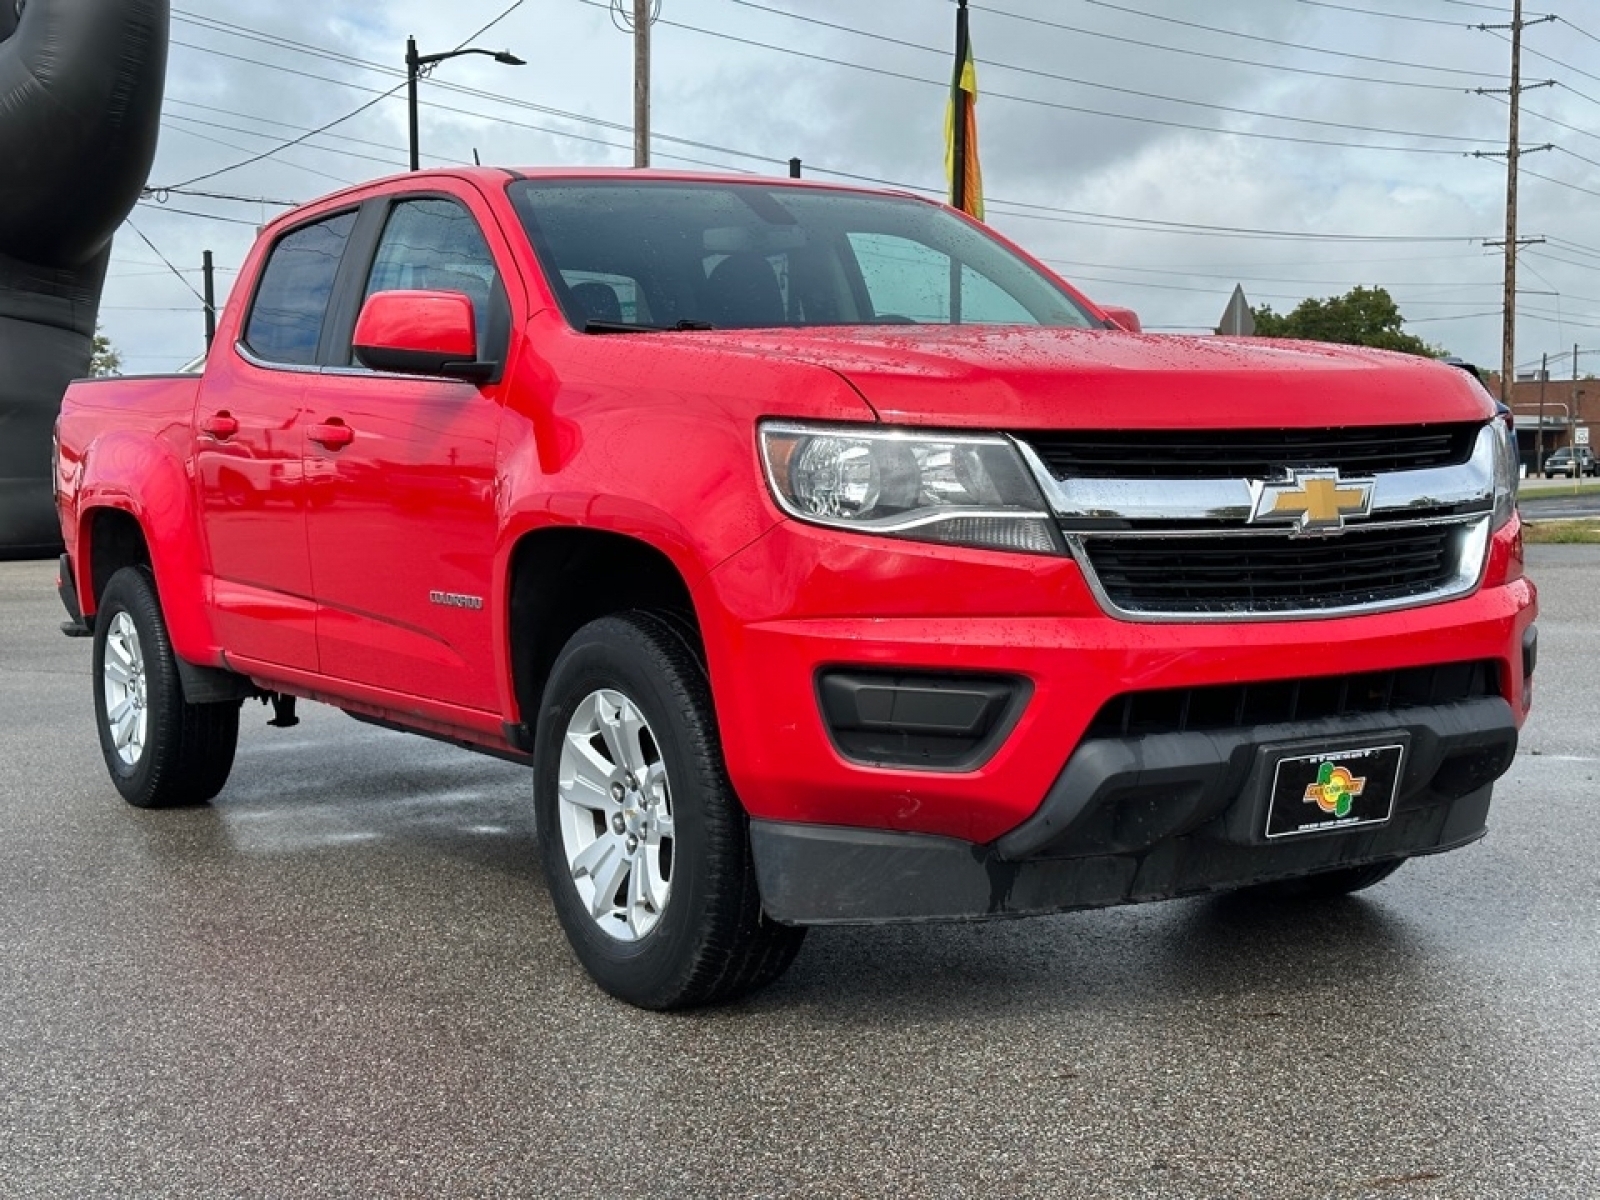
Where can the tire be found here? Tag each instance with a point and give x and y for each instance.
(1326, 885)
(161, 751)
(633, 802)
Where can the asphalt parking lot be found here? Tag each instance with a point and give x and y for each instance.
(344, 978)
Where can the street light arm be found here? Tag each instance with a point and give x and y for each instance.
(414, 64)
(500, 56)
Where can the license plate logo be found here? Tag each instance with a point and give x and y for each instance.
(1333, 789)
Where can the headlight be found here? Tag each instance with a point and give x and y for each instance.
(957, 489)
(1505, 471)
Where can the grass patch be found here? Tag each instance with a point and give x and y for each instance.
(1562, 533)
(1558, 487)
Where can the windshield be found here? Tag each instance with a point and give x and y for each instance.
(664, 255)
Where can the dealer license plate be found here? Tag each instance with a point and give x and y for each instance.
(1333, 789)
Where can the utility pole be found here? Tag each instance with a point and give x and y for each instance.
(1514, 153)
(209, 275)
(1538, 433)
(642, 19)
(1572, 415)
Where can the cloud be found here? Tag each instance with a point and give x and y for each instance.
(746, 86)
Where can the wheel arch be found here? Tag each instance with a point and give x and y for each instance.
(560, 578)
(136, 507)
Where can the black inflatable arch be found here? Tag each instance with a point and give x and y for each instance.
(80, 103)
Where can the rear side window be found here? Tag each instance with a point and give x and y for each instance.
(291, 303)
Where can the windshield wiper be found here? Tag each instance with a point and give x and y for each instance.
(630, 327)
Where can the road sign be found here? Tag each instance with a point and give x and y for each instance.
(1237, 318)
(1580, 436)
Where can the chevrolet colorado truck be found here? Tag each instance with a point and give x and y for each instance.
(826, 558)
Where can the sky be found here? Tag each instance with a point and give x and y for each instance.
(1154, 152)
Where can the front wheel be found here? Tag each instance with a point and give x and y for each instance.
(160, 750)
(645, 846)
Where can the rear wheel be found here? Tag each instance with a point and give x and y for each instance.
(1326, 885)
(645, 846)
(160, 750)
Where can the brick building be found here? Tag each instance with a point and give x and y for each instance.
(1551, 412)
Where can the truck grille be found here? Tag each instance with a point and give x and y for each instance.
(1243, 705)
(1266, 574)
(1249, 453)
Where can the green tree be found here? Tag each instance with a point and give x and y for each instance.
(1363, 316)
(104, 359)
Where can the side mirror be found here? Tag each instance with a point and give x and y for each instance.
(420, 333)
(1123, 318)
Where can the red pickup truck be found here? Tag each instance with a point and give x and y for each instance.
(826, 557)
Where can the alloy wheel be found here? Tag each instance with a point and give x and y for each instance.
(616, 815)
(127, 694)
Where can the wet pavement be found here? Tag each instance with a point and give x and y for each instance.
(344, 978)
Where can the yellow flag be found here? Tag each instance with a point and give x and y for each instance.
(961, 126)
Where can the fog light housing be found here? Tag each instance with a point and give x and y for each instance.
(922, 720)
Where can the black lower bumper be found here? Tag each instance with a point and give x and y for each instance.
(1147, 818)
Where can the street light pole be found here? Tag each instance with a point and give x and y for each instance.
(413, 64)
(416, 62)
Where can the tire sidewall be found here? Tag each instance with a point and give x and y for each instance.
(612, 655)
(131, 591)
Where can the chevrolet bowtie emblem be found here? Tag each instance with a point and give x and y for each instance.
(1316, 501)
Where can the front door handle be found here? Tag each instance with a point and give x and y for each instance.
(334, 434)
(222, 425)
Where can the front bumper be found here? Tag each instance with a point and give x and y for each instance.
(1146, 818)
(802, 601)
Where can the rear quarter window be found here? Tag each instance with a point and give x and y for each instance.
(291, 301)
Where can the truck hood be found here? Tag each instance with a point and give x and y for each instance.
(1013, 378)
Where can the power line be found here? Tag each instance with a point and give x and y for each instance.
(253, 133)
(1149, 225)
(1368, 12)
(477, 33)
(1565, 262)
(189, 212)
(292, 142)
(166, 123)
(1067, 216)
(194, 192)
(492, 97)
(1253, 37)
(1561, 182)
(164, 259)
(989, 63)
(295, 141)
(1050, 104)
(398, 151)
(1242, 277)
(1212, 57)
(1577, 29)
(1078, 277)
(1494, 8)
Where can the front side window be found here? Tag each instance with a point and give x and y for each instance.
(435, 245)
(291, 302)
(748, 255)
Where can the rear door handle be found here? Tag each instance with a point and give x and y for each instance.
(222, 425)
(334, 434)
